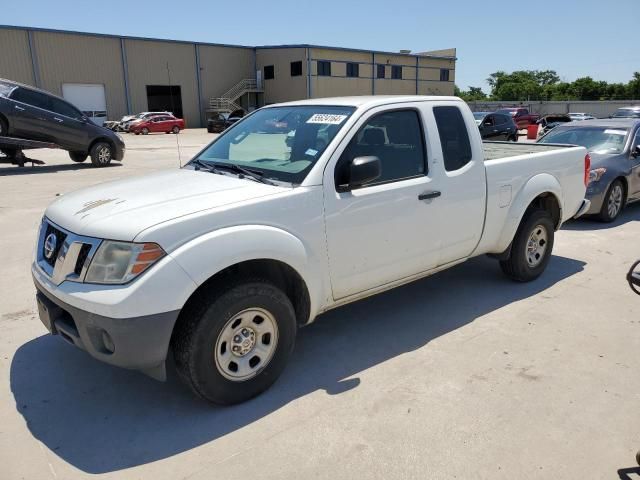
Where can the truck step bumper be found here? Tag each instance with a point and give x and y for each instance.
(584, 207)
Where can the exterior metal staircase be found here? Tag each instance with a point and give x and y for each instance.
(227, 102)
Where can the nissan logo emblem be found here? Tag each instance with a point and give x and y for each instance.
(50, 245)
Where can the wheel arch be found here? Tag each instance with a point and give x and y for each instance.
(101, 139)
(542, 191)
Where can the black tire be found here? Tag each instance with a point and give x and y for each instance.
(513, 138)
(145, 131)
(522, 266)
(175, 130)
(610, 208)
(201, 326)
(4, 128)
(78, 157)
(101, 154)
(638, 457)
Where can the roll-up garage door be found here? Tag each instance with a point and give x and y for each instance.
(89, 98)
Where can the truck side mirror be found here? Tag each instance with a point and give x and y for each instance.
(364, 170)
(635, 152)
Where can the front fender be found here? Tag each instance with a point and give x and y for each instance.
(535, 186)
(209, 254)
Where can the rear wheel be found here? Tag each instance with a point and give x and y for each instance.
(78, 156)
(513, 138)
(233, 346)
(4, 128)
(613, 202)
(531, 247)
(175, 129)
(101, 154)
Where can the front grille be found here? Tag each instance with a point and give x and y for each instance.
(82, 257)
(60, 238)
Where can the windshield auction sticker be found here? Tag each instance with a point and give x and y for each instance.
(326, 118)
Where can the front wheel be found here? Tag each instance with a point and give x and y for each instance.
(175, 129)
(145, 131)
(531, 247)
(101, 154)
(613, 202)
(233, 346)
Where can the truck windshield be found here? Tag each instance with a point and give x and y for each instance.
(281, 143)
(595, 139)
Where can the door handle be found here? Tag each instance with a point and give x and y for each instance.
(59, 120)
(428, 195)
(18, 108)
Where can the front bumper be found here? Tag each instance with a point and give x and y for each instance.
(584, 208)
(596, 191)
(138, 343)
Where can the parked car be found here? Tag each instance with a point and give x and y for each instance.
(498, 126)
(219, 122)
(131, 119)
(627, 112)
(157, 124)
(581, 116)
(549, 122)
(34, 114)
(614, 146)
(219, 262)
(521, 116)
(479, 116)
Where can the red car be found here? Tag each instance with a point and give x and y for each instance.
(158, 123)
(521, 116)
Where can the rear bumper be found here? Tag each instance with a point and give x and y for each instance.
(138, 343)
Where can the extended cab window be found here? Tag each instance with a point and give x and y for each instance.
(454, 139)
(31, 97)
(394, 137)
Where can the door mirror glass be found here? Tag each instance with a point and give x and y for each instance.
(364, 170)
(635, 152)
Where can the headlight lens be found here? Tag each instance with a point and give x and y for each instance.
(596, 174)
(121, 262)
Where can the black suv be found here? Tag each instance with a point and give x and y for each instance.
(33, 114)
(498, 126)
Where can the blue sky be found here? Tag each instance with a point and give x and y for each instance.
(574, 37)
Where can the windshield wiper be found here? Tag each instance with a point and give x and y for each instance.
(243, 172)
(199, 164)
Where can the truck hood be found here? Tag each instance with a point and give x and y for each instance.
(120, 210)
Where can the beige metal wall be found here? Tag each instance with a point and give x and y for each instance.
(15, 57)
(338, 84)
(221, 68)
(429, 77)
(70, 58)
(283, 87)
(147, 65)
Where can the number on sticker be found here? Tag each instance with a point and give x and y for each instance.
(326, 118)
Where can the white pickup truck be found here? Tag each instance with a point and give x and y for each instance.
(297, 209)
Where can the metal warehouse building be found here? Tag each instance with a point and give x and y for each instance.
(111, 76)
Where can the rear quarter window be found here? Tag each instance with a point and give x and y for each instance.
(454, 138)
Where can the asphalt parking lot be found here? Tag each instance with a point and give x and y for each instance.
(461, 375)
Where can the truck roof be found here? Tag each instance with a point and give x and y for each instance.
(366, 100)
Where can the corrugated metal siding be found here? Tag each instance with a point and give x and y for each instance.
(147, 64)
(221, 68)
(68, 58)
(15, 58)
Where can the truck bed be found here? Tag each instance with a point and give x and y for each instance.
(498, 150)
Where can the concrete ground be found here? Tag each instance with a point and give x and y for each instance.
(461, 375)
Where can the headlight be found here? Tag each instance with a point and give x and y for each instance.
(596, 174)
(121, 262)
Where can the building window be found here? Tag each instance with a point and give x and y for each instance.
(353, 70)
(380, 71)
(444, 74)
(324, 68)
(396, 72)
(296, 68)
(268, 72)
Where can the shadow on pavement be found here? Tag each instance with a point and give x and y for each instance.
(102, 419)
(631, 213)
(36, 169)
